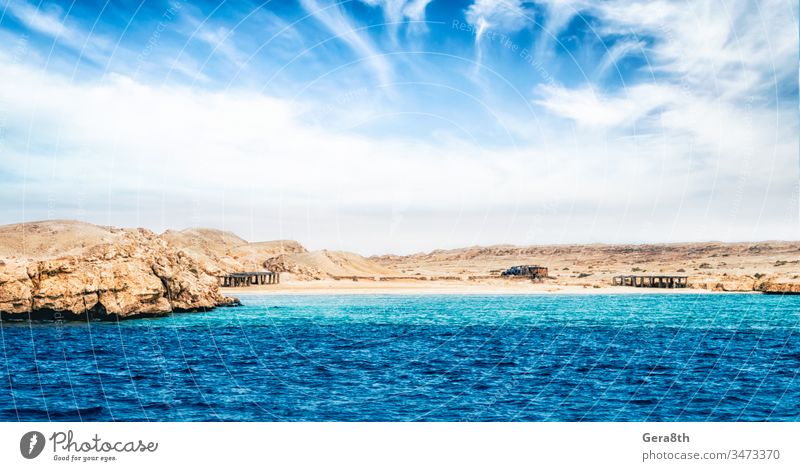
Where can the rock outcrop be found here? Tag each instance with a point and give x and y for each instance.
(287, 264)
(126, 273)
(730, 283)
(781, 285)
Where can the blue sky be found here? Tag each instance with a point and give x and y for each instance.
(396, 126)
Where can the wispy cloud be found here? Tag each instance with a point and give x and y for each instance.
(558, 14)
(50, 21)
(502, 16)
(616, 53)
(397, 11)
(729, 51)
(415, 9)
(219, 38)
(340, 25)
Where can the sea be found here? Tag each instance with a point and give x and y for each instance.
(587, 357)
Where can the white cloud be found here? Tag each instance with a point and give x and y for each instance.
(704, 149)
(246, 162)
(592, 108)
(727, 51)
(415, 9)
(710, 102)
(700, 128)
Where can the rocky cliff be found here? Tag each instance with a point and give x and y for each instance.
(99, 273)
(781, 285)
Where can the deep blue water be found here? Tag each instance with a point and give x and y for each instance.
(389, 358)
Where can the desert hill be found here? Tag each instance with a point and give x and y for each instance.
(710, 265)
(213, 241)
(324, 264)
(45, 239)
(207, 246)
(222, 252)
(254, 256)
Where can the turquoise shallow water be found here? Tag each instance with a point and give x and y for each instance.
(388, 358)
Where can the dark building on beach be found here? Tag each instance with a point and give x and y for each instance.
(528, 271)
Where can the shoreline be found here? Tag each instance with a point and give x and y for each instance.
(328, 287)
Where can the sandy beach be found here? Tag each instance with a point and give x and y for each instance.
(327, 287)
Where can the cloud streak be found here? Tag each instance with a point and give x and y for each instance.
(502, 16)
(337, 23)
(51, 22)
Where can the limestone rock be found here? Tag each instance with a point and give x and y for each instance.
(781, 285)
(286, 263)
(127, 273)
(733, 283)
(16, 287)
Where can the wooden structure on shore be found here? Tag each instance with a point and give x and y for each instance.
(533, 272)
(236, 280)
(651, 281)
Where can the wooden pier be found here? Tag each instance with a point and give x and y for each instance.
(236, 280)
(651, 281)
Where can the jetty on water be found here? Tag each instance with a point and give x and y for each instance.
(651, 281)
(248, 278)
